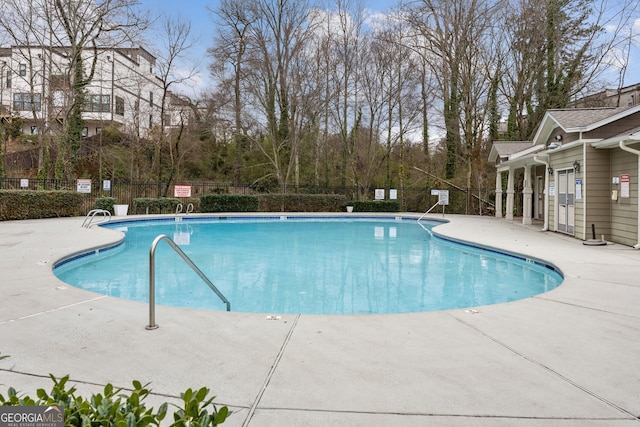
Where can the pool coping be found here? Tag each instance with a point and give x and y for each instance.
(566, 357)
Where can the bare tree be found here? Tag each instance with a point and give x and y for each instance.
(173, 47)
(558, 50)
(230, 49)
(276, 33)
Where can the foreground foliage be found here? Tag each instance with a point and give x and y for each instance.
(120, 407)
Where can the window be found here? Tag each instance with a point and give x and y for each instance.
(167, 120)
(85, 132)
(8, 83)
(57, 99)
(26, 102)
(22, 70)
(119, 106)
(151, 98)
(150, 121)
(98, 104)
(34, 130)
(98, 131)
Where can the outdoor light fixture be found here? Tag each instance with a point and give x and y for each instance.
(550, 170)
(576, 166)
(558, 137)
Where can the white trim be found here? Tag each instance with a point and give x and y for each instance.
(614, 142)
(545, 226)
(530, 150)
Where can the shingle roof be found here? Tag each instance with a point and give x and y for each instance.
(580, 117)
(505, 148)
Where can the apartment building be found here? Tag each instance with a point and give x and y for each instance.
(627, 96)
(124, 92)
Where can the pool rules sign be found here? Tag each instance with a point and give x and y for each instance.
(182, 191)
(83, 186)
(443, 197)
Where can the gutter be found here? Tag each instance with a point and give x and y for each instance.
(545, 226)
(623, 147)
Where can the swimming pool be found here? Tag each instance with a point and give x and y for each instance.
(314, 265)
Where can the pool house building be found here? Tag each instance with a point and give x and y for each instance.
(578, 176)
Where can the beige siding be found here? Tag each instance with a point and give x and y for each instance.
(624, 211)
(615, 128)
(596, 187)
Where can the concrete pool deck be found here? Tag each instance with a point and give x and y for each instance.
(569, 357)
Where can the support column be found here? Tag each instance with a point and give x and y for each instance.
(509, 212)
(527, 196)
(498, 194)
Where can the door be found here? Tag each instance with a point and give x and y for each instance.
(566, 200)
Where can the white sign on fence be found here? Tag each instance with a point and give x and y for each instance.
(443, 197)
(83, 186)
(182, 191)
(379, 193)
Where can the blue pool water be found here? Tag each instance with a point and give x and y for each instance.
(312, 265)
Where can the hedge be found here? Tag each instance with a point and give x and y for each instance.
(145, 205)
(301, 202)
(375, 206)
(228, 203)
(105, 203)
(34, 204)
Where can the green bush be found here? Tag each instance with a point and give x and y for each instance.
(114, 407)
(105, 203)
(34, 204)
(228, 203)
(150, 205)
(301, 202)
(375, 206)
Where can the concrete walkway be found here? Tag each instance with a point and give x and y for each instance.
(570, 357)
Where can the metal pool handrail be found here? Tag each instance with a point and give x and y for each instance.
(179, 208)
(91, 215)
(152, 278)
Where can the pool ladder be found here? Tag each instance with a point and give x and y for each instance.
(179, 208)
(92, 214)
(152, 278)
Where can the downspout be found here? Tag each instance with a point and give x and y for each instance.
(545, 226)
(584, 193)
(623, 147)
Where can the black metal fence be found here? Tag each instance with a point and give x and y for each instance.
(461, 201)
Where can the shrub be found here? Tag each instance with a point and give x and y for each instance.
(34, 204)
(105, 203)
(228, 203)
(159, 205)
(301, 202)
(114, 407)
(375, 206)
